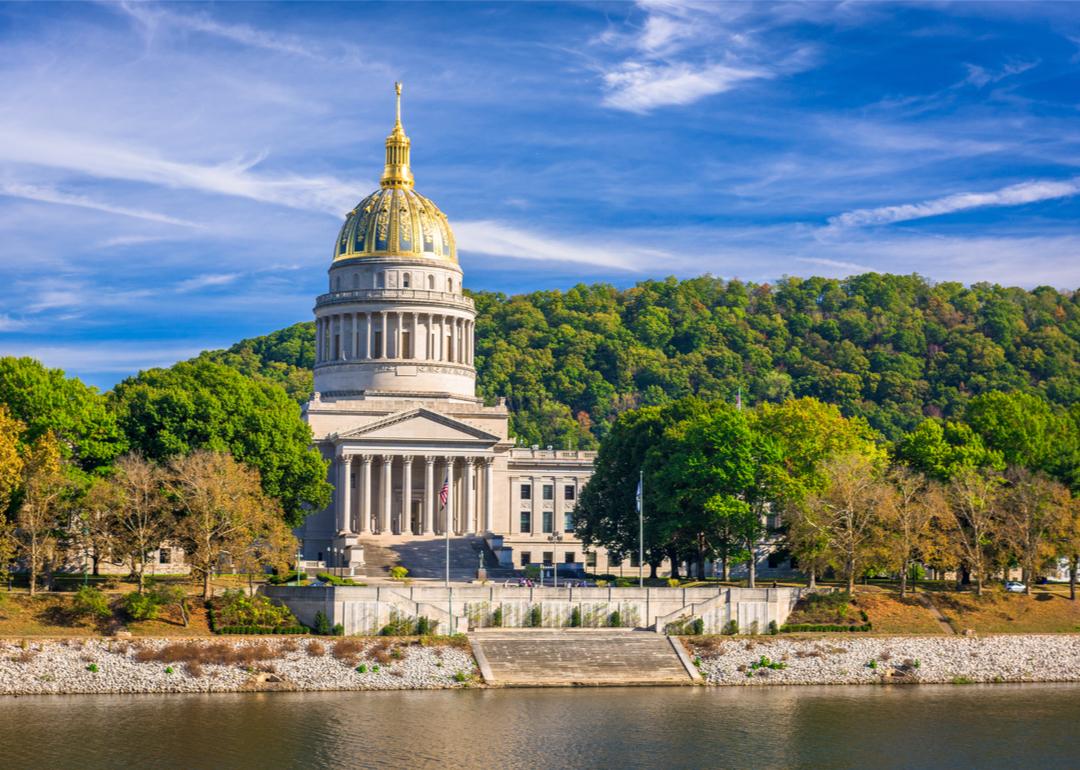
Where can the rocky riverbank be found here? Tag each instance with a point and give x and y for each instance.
(878, 660)
(233, 665)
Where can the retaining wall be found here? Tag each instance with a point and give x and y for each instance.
(366, 610)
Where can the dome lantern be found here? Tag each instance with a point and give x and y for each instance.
(397, 173)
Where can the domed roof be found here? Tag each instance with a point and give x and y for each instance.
(395, 220)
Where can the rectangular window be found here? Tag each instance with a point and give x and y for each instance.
(548, 523)
(614, 561)
(569, 558)
(406, 345)
(165, 556)
(634, 561)
(449, 349)
(568, 521)
(526, 491)
(376, 345)
(590, 559)
(337, 346)
(549, 557)
(526, 558)
(569, 492)
(526, 521)
(549, 491)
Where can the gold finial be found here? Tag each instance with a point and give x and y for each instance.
(397, 172)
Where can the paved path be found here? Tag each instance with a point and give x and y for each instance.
(928, 602)
(563, 657)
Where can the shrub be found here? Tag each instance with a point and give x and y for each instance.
(168, 669)
(461, 676)
(338, 630)
(820, 627)
(286, 577)
(532, 571)
(141, 606)
(425, 626)
(362, 668)
(731, 627)
(773, 628)
(764, 662)
(399, 625)
(961, 680)
(697, 628)
(536, 616)
(497, 617)
(615, 619)
(601, 584)
(92, 668)
(624, 583)
(165, 594)
(334, 580)
(673, 582)
(398, 572)
(347, 650)
(322, 623)
(575, 617)
(194, 668)
(236, 608)
(90, 601)
(316, 649)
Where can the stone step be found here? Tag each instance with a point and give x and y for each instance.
(550, 657)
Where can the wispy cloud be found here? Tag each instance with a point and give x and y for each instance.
(1013, 195)
(107, 357)
(980, 76)
(9, 324)
(206, 281)
(50, 195)
(503, 240)
(836, 264)
(640, 87)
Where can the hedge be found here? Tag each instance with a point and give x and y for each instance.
(800, 627)
(262, 630)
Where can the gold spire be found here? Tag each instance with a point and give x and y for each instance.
(397, 172)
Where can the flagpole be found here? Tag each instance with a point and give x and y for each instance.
(641, 528)
(447, 528)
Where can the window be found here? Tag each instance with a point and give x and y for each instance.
(380, 280)
(165, 556)
(405, 280)
(548, 523)
(526, 558)
(569, 558)
(337, 346)
(590, 559)
(549, 557)
(449, 348)
(376, 345)
(526, 521)
(568, 521)
(526, 491)
(406, 344)
(449, 284)
(549, 491)
(569, 493)
(431, 283)
(634, 562)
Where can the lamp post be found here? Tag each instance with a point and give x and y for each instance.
(299, 556)
(555, 538)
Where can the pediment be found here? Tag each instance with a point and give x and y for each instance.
(419, 425)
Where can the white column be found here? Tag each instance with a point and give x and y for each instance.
(365, 494)
(470, 495)
(344, 480)
(489, 494)
(406, 494)
(397, 334)
(429, 494)
(448, 514)
(367, 335)
(385, 335)
(387, 499)
(318, 340)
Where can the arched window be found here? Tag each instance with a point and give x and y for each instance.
(431, 283)
(405, 281)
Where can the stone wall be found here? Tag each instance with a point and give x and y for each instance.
(365, 610)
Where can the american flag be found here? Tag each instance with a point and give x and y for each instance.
(445, 491)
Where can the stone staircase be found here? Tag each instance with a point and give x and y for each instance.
(563, 657)
(424, 557)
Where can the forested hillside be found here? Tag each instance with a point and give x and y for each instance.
(889, 348)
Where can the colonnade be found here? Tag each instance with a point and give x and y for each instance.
(470, 494)
(396, 334)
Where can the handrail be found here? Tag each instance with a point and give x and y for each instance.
(421, 294)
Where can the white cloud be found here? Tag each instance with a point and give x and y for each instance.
(980, 76)
(845, 267)
(638, 87)
(111, 357)
(9, 324)
(502, 240)
(50, 195)
(206, 281)
(1013, 195)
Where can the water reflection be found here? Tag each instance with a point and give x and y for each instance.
(838, 727)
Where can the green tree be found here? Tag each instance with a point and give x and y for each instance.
(204, 405)
(942, 448)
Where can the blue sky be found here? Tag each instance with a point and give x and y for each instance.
(172, 177)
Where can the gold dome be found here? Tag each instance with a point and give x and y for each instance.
(395, 220)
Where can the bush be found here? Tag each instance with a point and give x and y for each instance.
(575, 617)
(425, 626)
(322, 624)
(532, 571)
(90, 601)
(536, 616)
(731, 627)
(334, 580)
(141, 606)
(497, 617)
(286, 577)
(615, 619)
(398, 573)
(93, 668)
(673, 582)
(236, 608)
(816, 627)
(601, 584)
(461, 676)
(624, 583)
(773, 629)
(338, 630)
(399, 625)
(362, 668)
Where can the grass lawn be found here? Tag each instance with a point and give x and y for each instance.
(1048, 610)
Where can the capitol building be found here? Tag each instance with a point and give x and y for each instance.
(395, 409)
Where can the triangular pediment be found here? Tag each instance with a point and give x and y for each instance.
(419, 425)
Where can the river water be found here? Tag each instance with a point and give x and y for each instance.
(927, 726)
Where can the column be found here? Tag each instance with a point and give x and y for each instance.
(489, 494)
(367, 335)
(318, 340)
(365, 494)
(344, 481)
(448, 513)
(406, 494)
(385, 335)
(429, 495)
(387, 499)
(470, 495)
(397, 334)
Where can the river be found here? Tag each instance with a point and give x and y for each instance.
(926, 726)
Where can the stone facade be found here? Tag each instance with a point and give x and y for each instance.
(413, 452)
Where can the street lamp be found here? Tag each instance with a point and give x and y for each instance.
(299, 556)
(555, 538)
